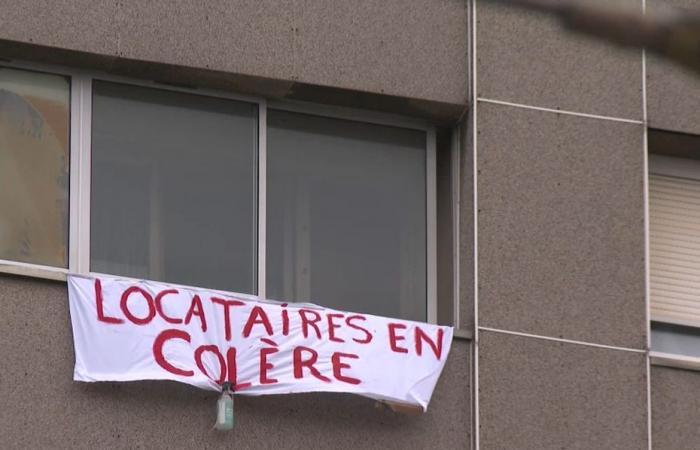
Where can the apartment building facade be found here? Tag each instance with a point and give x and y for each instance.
(446, 161)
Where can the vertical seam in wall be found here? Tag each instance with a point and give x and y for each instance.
(462, 152)
(463, 133)
(475, 200)
(647, 271)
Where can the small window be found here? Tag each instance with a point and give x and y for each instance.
(674, 235)
(346, 216)
(674, 251)
(34, 161)
(174, 187)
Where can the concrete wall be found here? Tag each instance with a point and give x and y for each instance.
(466, 224)
(560, 237)
(415, 57)
(560, 280)
(373, 54)
(673, 92)
(675, 405)
(43, 408)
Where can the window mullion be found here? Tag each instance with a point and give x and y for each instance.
(79, 234)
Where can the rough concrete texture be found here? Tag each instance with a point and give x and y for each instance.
(445, 224)
(379, 46)
(466, 224)
(674, 408)
(561, 226)
(440, 113)
(673, 93)
(43, 408)
(539, 394)
(525, 57)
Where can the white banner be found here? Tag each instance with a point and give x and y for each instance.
(126, 330)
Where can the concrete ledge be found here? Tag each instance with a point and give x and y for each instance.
(440, 113)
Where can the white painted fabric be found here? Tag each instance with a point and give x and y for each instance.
(127, 330)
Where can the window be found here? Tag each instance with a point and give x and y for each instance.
(295, 202)
(174, 186)
(34, 160)
(347, 214)
(674, 235)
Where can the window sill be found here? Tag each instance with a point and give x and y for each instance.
(675, 361)
(33, 270)
(462, 334)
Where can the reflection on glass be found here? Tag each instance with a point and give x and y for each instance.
(34, 142)
(174, 187)
(346, 215)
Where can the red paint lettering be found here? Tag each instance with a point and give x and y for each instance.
(257, 316)
(265, 366)
(421, 336)
(394, 338)
(306, 322)
(285, 320)
(196, 309)
(338, 366)
(233, 371)
(299, 363)
(227, 318)
(158, 344)
(200, 364)
(332, 326)
(149, 301)
(368, 336)
(159, 306)
(99, 305)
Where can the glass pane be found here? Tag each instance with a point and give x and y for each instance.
(677, 339)
(34, 160)
(174, 187)
(346, 217)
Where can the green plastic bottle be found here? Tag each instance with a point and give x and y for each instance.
(224, 409)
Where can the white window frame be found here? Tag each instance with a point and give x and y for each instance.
(81, 82)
